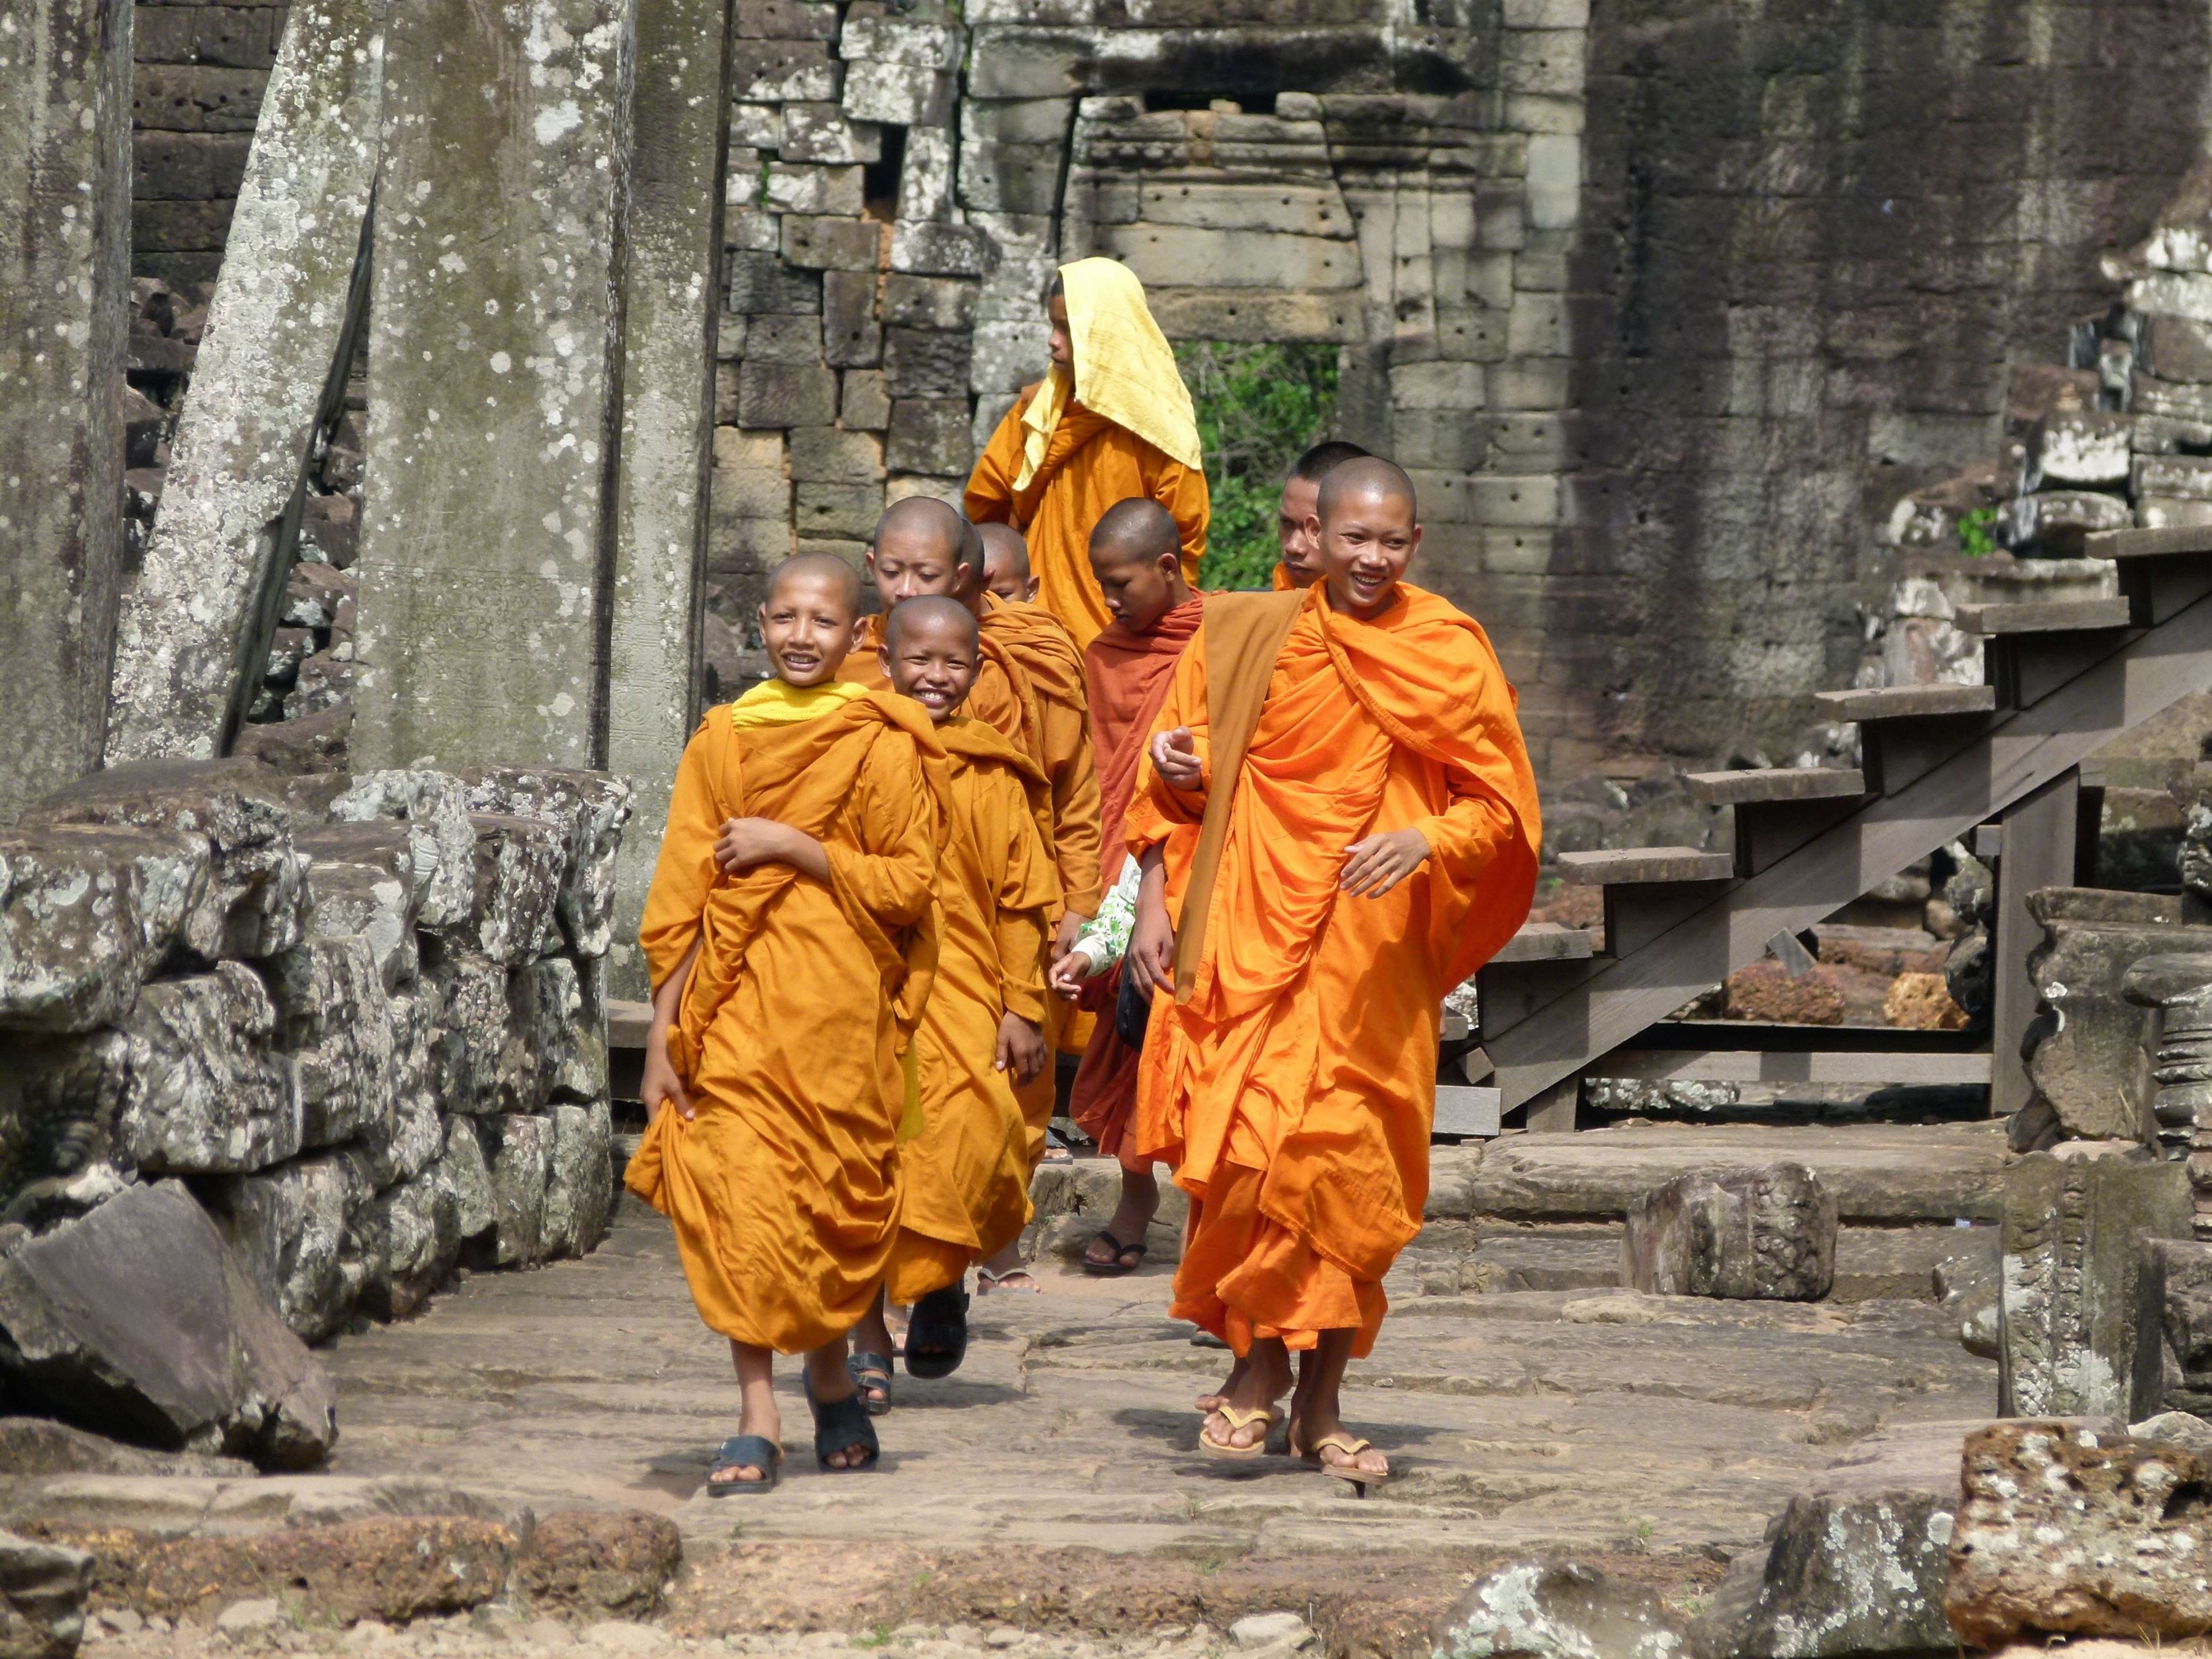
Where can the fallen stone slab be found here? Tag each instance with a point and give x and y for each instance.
(1766, 1234)
(2063, 1531)
(43, 1591)
(1561, 1609)
(589, 809)
(136, 1321)
(254, 902)
(86, 915)
(34, 1446)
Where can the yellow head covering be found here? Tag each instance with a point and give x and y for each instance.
(1125, 369)
(779, 702)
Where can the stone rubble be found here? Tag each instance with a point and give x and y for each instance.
(1758, 1234)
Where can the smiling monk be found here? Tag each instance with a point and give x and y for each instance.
(1367, 827)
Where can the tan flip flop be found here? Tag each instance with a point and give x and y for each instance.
(1237, 1420)
(1360, 1477)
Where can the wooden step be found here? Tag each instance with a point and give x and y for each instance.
(1545, 941)
(2044, 616)
(1874, 1068)
(628, 1023)
(1890, 702)
(2177, 541)
(1773, 783)
(2162, 572)
(1643, 863)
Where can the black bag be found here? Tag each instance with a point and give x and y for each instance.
(1133, 1010)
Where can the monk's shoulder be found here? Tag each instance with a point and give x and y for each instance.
(1441, 633)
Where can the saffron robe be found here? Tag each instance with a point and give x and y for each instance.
(1001, 697)
(1090, 464)
(967, 1174)
(1128, 674)
(1292, 1080)
(784, 1187)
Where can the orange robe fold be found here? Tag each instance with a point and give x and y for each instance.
(784, 1188)
(1128, 674)
(1044, 652)
(1294, 1085)
(1089, 464)
(967, 1175)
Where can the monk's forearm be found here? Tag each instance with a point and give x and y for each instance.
(804, 854)
(668, 995)
(1022, 936)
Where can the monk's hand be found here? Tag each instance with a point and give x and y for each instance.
(1063, 938)
(1174, 757)
(1373, 867)
(661, 1087)
(1021, 1050)
(1067, 973)
(1150, 958)
(745, 842)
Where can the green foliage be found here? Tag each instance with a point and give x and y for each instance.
(1975, 539)
(1259, 407)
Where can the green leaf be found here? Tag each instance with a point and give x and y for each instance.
(1259, 408)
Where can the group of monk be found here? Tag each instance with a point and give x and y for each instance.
(1230, 849)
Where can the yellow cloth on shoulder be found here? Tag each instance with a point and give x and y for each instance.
(1125, 370)
(779, 702)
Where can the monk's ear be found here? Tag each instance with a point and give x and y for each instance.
(1030, 588)
(1413, 547)
(860, 633)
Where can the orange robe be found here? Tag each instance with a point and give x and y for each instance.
(967, 1174)
(784, 1187)
(1001, 697)
(1128, 674)
(1089, 464)
(1294, 1084)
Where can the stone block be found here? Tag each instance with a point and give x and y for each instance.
(2178, 1287)
(941, 250)
(334, 1029)
(1004, 357)
(1556, 1608)
(43, 1590)
(773, 72)
(751, 229)
(1015, 121)
(2175, 348)
(441, 841)
(851, 336)
(1014, 178)
(579, 1179)
(415, 1135)
(897, 95)
(824, 455)
(2077, 1327)
(2166, 400)
(786, 395)
(786, 20)
(826, 244)
(1439, 385)
(568, 1034)
(925, 191)
(761, 284)
(1554, 181)
(1763, 1234)
(2066, 1530)
(2078, 447)
(361, 883)
(419, 1221)
(916, 42)
(837, 512)
(924, 363)
(2054, 522)
(307, 1232)
(930, 435)
(928, 302)
(462, 1171)
(1161, 255)
(586, 811)
(822, 132)
(800, 188)
(2174, 477)
(748, 479)
(253, 901)
(592, 1562)
(136, 1322)
(85, 915)
(760, 126)
(519, 1154)
(795, 339)
(520, 864)
(479, 1062)
(193, 1087)
(1025, 62)
(864, 404)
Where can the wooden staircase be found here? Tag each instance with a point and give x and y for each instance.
(1940, 762)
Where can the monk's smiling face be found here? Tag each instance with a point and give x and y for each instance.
(930, 654)
(1367, 530)
(1297, 533)
(810, 619)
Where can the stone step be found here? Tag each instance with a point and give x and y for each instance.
(1773, 783)
(1643, 863)
(1888, 702)
(2044, 616)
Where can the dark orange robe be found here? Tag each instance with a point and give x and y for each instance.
(968, 1173)
(784, 1187)
(1294, 1084)
(1090, 464)
(1128, 674)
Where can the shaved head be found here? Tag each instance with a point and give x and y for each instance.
(821, 568)
(1324, 458)
(920, 517)
(923, 545)
(1366, 478)
(928, 612)
(1004, 550)
(1138, 528)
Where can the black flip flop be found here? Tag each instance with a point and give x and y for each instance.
(871, 1370)
(1120, 1264)
(746, 1451)
(938, 1325)
(839, 1425)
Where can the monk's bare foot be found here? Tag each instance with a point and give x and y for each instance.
(871, 1341)
(1140, 1202)
(988, 1279)
(830, 1382)
(1320, 1435)
(1210, 1403)
(768, 1426)
(1267, 1378)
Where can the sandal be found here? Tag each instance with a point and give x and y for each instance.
(988, 1280)
(937, 1333)
(1056, 1151)
(1239, 1419)
(1362, 1479)
(745, 1451)
(872, 1376)
(839, 1427)
(1122, 1263)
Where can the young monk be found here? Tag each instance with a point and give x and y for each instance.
(1007, 563)
(789, 932)
(1111, 419)
(1136, 560)
(1367, 834)
(966, 1175)
(1298, 530)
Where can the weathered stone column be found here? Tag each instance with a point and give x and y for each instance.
(64, 311)
(668, 429)
(188, 629)
(494, 368)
